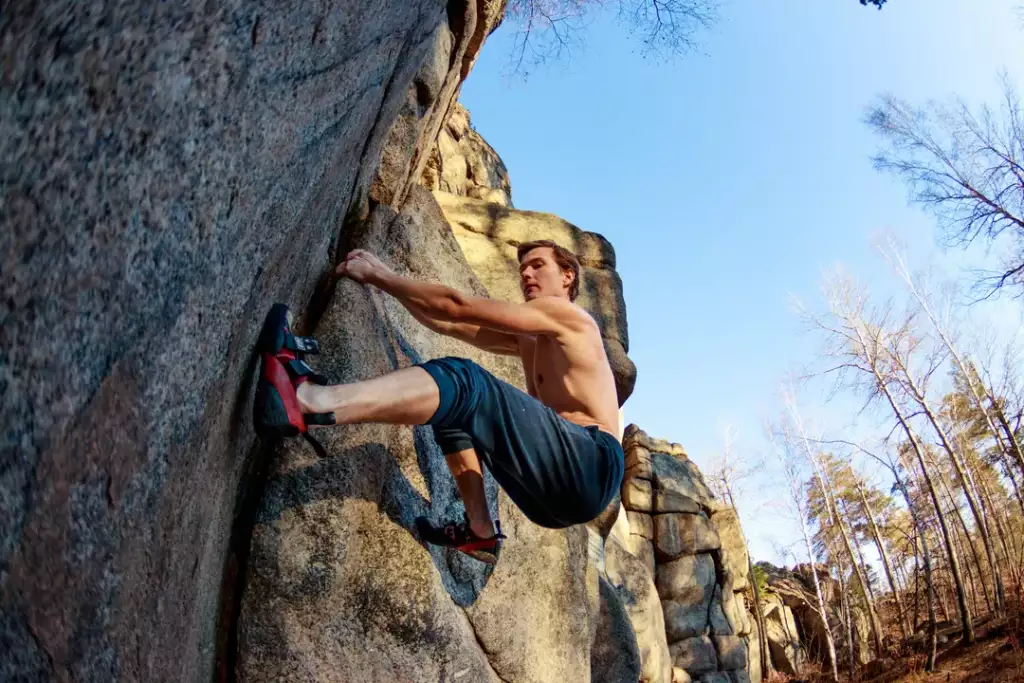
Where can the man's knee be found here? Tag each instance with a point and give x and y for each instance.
(452, 440)
(460, 382)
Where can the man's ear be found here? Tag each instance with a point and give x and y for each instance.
(567, 277)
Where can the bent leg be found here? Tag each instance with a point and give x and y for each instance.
(464, 463)
(408, 396)
(469, 478)
(558, 473)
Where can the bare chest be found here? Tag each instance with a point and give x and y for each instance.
(543, 364)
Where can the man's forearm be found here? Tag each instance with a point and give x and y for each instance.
(439, 326)
(436, 302)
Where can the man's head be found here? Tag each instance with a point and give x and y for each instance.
(546, 269)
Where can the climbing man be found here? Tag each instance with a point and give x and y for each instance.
(553, 450)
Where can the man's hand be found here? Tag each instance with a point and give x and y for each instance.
(361, 266)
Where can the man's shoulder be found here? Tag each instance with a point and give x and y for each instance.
(561, 307)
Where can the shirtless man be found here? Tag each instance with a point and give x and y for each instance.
(554, 450)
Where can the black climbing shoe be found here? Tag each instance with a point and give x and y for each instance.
(459, 536)
(276, 410)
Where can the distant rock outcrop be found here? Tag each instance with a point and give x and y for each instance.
(794, 627)
(464, 164)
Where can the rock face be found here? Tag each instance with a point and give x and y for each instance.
(170, 171)
(694, 547)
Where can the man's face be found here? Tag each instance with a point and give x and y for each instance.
(540, 275)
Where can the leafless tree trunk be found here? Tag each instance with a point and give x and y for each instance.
(964, 538)
(790, 469)
(929, 580)
(901, 614)
(825, 485)
(914, 388)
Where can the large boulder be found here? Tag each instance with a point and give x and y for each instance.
(783, 638)
(795, 588)
(686, 587)
(637, 495)
(171, 169)
(677, 534)
(383, 477)
(695, 655)
(679, 476)
(489, 234)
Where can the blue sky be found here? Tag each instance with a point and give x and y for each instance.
(730, 180)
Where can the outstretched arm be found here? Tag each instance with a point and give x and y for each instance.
(480, 337)
(546, 315)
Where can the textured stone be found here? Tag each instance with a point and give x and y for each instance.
(171, 169)
(635, 435)
(638, 463)
(718, 622)
(728, 614)
(740, 677)
(688, 579)
(489, 234)
(783, 638)
(637, 495)
(622, 528)
(715, 677)
(643, 549)
(635, 585)
(464, 164)
(333, 546)
(682, 477)
(673, 501)
(677, 534)
(684, 619)
(641, 524)
(732, 652)
(614, 656)
(734, 557)
(680, 675)
(695, 655)
(748, 621)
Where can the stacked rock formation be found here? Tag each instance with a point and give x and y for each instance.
(693, 546)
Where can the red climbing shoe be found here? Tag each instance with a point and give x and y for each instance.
(459, 536)
(276, 410)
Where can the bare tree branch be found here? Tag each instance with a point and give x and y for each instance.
(548, 29)
(966, 168)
